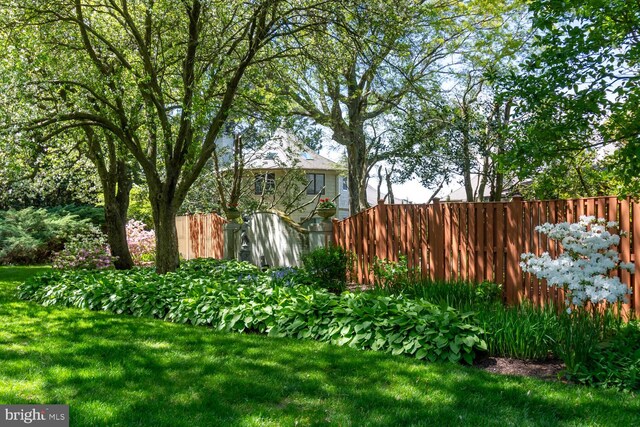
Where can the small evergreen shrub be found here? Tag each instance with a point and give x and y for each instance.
(95, 214)
(30, 236)
(328, 267)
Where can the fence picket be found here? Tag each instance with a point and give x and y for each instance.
(500, 242)
(446, 241)
(480, 243)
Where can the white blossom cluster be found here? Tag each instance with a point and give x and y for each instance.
(583, 269)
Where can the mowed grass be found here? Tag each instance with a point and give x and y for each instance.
(124, 371)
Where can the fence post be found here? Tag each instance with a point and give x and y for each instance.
(231, 230)
(435, 238)
(514, 249)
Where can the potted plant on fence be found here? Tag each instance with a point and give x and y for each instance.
(326, 208)
(233, 212)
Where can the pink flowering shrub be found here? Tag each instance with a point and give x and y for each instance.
(142, 243)
(85, 251)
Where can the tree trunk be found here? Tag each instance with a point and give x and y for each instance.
(164, 219)
(116, 204)
(357, 161)
(484, 177)
(115, 178)
(392, 199)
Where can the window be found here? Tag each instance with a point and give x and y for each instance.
(344, 184)
(316, 183)
(265, 186)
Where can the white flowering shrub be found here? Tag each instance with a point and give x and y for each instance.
(584, 268)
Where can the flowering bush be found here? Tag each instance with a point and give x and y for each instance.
(85, 251)
(142, 243)
(584, 268)
(326, 204)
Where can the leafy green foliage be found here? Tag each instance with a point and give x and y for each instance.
(393, 275)
(579, 175)
(614, 363)
(581, 333)
(35, 174)
(95, 214)
(523, 331)
(461, 295)
(596, 347)
(140, 206)
(29, 235)
(233, 296)
(577, 89)
(201, 377)
(328, 266)
(86, 251)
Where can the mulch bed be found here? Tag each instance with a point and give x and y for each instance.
(546, 370)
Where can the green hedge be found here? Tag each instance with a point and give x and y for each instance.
(237, 297)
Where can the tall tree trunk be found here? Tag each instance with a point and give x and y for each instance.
(116, 204)
(164, 219)
(496, 195)
(392, 198)
(116, 181)
(484, 177)
(357, 161)
(379, 183)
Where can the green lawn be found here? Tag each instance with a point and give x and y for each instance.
(123, 371)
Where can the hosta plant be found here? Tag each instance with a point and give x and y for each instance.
(232, 296)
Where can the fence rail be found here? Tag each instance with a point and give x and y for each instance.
(201, 236)
(482, 241)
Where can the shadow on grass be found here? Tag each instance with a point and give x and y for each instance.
(119, 370)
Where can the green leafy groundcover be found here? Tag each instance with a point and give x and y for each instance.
(232, 296)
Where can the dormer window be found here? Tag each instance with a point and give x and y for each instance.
(271, 155)
(306, 156)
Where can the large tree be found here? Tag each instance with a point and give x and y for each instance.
(159, 76)
(578, 88)
(362, 64)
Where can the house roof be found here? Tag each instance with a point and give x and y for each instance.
(284, 150)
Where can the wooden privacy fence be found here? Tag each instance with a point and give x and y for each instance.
(481, 241)
(201, 236)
